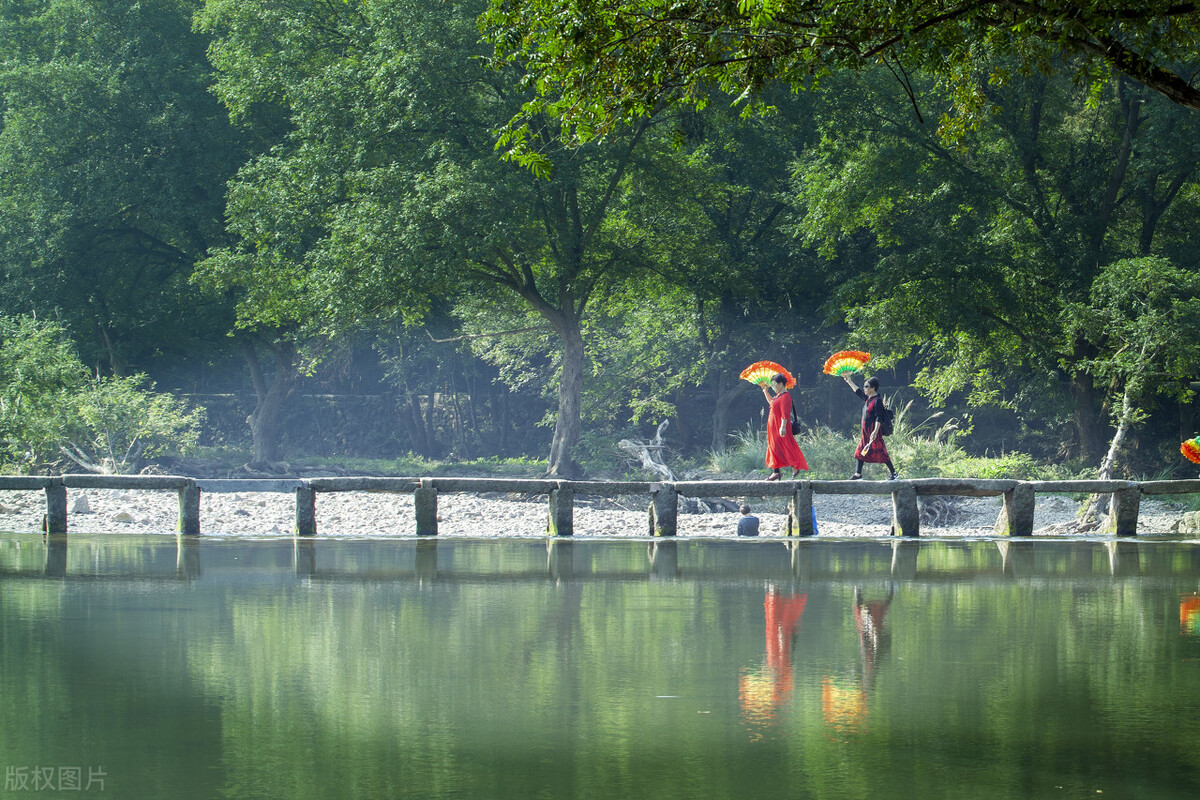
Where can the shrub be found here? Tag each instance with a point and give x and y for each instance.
(39, 373)
(119, 425)
(51, 408)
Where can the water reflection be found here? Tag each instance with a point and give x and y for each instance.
(762, 690)
(201, 667)
(56, 555)
(1189, 615)
(844, 699)
(664, 558)
(187, 557)
(560, 558)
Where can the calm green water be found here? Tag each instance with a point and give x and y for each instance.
(151, 667)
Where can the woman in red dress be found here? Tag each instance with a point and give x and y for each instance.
(782, 450)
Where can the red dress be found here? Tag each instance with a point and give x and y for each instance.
(782, 451)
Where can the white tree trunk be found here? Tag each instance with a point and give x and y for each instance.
(1098, 504)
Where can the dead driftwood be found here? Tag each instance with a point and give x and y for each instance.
(649, 456)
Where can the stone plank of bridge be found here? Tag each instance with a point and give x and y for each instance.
(962, 487)
(610, 488)
(425, 508)
(854, 487)
(306, 511)
(906, 514)
(189, 509)
(762, 488)
(364, 484)
(1171, 487)
(236, 485)
(55, 520)
(664, 510)
(504, 485)
(1123, 514)
(561, 511)
(139, 482)
(800, 513)
(25, 482)
(1016, 515)
(1082, 486)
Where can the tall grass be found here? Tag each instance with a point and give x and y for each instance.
(920, 448)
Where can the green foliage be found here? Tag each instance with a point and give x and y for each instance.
(39, 373)
(1143, 319)
(113, 161)
(384, 193)
(597, 64)
(50, 407)
(118, 424)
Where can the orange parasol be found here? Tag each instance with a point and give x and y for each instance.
(846, 361)
(761, 372)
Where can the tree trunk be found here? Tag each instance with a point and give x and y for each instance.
(116, 362)
(500, 402)
(1099, 502)
(264, 420)
(685, 431)
(1087, 416)
(1187, 419)
(431, 438)
(725, 395)
(413, 421)
(567, 425)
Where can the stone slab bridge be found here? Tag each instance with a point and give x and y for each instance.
(1015, 519)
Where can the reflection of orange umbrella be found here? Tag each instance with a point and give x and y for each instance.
(756, 696)
(1189, 614)
(761, 372)
(843, 706)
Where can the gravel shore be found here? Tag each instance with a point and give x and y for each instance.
(356, 514)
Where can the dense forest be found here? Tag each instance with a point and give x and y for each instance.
(377, 227)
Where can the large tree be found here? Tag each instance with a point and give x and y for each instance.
(984, 253)
(113, 161)
(721, 225)
(386, 191)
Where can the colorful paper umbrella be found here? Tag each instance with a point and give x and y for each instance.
(761, 372)
(846, 361)
(1191, 450)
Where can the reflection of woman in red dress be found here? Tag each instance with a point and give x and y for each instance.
(782, 450)
(760, 692)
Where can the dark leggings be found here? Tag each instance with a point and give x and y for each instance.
(887, 464)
